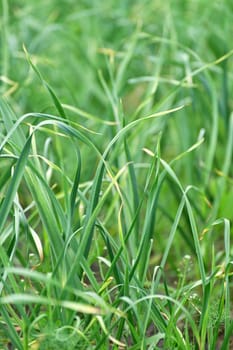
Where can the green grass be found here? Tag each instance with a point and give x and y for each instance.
(116, 141)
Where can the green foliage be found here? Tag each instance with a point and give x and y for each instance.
(116, 140)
